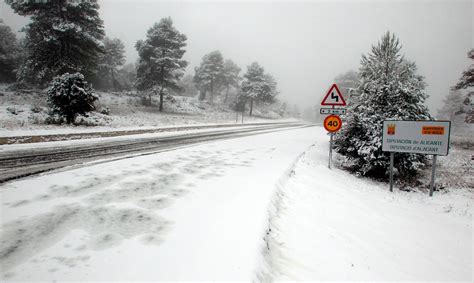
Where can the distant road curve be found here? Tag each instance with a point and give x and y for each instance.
(23, 163)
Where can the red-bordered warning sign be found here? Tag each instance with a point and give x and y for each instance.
(332, 123)
(334, 97)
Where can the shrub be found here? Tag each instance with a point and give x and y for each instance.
(70, 95)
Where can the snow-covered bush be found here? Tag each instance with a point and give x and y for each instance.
(388, 88)
(70, 95)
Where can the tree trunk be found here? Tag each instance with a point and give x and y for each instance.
(212, 93)
(161, 99)
(202, 94)
(251, 106)
(226, 94)
(113, 79)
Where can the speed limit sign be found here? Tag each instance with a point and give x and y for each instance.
(332, 123)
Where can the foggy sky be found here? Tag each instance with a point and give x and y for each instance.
(304, 45)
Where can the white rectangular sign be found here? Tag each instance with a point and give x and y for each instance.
(426, 137)
(337, 111)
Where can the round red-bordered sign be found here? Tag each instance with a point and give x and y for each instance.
(332, 123)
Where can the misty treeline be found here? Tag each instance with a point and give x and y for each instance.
(68, 37)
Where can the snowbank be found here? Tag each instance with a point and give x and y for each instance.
(329, 225)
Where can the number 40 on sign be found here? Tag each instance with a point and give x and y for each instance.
(332, 123)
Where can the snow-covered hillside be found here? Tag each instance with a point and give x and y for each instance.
(26, 112)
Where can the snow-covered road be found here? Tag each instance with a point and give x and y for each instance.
(197, 213)
(261, 208)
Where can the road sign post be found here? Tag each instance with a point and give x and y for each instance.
(433, 171)
(422, 137)
(391, 171)
(332, 123)
(330, 150)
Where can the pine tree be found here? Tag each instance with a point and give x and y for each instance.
(388, 88)
(210, 74)
(258, 86)
(112, 58)
(347, 83)
(70, 95)
(467, 78)
(63, 36)
(127, 76)
(160, 64)
(187, 86)
(10, 53)
(467, 81)
(452, 105)
(231, 76)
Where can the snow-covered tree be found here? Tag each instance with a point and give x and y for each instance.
(258, 86)
(210, 74)
(70, 95)
(452, 105)
(283, 109)
(63, 36)
(347, 83)
(456, 107)
(187, 87)
(467, 82)
(467, 78)
(112, 58)
(388, 88)
(231, 76)
(160, 64)
(10, 53)
(126, 76)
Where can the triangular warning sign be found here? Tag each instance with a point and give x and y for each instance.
(334, 97)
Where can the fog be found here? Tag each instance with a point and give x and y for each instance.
(304, 45)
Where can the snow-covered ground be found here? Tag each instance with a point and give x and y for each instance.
(328, 225)
(197, 213)
(24, 113)
(263, 207)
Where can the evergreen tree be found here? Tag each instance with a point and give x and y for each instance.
(63, 36)
(453, 104)
(467, 78)
(160, 64)
(210, 74)
(347, 83)
(467, 81)
(283, 109)
(388, 88)
(127, 76)
(258, 86)
(70, 95)
(231, 76)
(187, 86)
(10, 53)
(112, 58)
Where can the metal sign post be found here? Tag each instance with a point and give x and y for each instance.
(391, 171)
(332, 123)
(421, 137)
(433, 171)
(330, 150)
